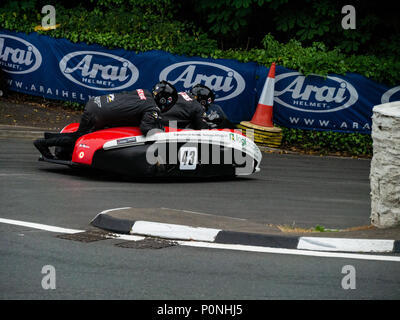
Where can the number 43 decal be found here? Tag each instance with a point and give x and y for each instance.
(187, 158)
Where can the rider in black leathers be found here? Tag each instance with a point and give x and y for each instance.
(215, 116)
(186, 113)
(135, 108)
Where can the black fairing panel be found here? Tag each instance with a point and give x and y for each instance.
(132, 161)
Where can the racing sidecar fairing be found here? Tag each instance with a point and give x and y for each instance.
(173, 153)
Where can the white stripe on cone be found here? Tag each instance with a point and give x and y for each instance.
(267, 95)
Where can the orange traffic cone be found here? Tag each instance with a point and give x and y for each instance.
(261, 127)
(263, 115)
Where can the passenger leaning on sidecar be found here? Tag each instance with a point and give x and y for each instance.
(215, 116)
(186, 113)
(134, 108)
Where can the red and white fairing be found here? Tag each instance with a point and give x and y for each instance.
(124, 137)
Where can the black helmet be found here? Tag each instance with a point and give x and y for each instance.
(203, 94)
(165, 95)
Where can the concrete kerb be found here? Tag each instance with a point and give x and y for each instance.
(165, 226)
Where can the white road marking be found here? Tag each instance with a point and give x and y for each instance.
(45, 227)
(14, 174)
(239, 247)
(211, 245)
(39, 226)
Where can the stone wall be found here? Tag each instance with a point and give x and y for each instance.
(385, 165)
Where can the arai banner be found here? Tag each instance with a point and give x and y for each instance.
(59, 69)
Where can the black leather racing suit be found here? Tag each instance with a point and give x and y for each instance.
(134, 109)
(186, 112)
(217, 118)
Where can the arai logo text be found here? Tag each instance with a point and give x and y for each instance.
(18, 56)
(99, 70)
(388, 95)
(333, 93)
(225, 82)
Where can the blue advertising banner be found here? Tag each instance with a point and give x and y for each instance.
(59, 69)
(335, 102)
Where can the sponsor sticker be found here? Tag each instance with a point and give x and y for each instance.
(110, 97)
(185, 96)
(237, 138)
(97, 100)
(141, 94)
(126, 140)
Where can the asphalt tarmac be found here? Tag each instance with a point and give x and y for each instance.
(294, 190)
(102, 270)
(305, 190)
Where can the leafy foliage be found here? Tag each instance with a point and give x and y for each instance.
(325, 142)
(238, 21)
(316, 59)
(135, 27)
(152, 25)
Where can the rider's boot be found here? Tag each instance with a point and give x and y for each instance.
(61, 140)
(41, 145)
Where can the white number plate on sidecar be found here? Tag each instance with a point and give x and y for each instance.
(187, 158)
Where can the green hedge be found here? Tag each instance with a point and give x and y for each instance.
(140, 30)
(326, 142)
(133, 30)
